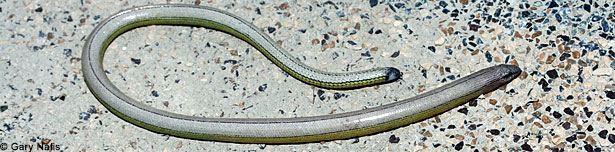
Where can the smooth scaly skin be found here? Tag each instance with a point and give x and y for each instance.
(213, 18)
(274, 130)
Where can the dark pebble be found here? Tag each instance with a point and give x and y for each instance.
(366, 54)
(488, 56)
(8, 127)
(590, 128)
(552, 74)
(610, 94)
(155, 93)
(320, 94)
(92, 109)
(432, 48)
(588, 148)
(552, 28)
(570, 97)
(602, 134)
(553, 4)
(566, 125)
(334, 55)
(37, 48)
(4, 108)
(474, 27)
(270, 29)
(68, 52)
(356, 140)
(135, 61)
(262, 87)
(373, 3)
(451, 77)
(455, 13)
(473, 103)
(230, 61)
(526, 147)
(84, 116)
(525, 14)
(568, 111)
(497, 12)
(557, 114)
(472, 127)
(564, 56)
(572, 138)
(393, 139)
(605, 26)
(459, 146)
(494, 132)
(62, 97)
(587, 7)
(395, 54)
(587, 112)
(337, 95)
(463, 110)
(564, 37)
(443, 4)
(612, 138)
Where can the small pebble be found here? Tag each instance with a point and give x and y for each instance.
(603, 72)
(393, 139)
(3, 108)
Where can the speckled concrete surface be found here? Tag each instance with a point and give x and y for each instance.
(563, 101)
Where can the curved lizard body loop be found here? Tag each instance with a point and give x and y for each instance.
(270, 130)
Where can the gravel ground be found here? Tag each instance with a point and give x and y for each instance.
(563, 100)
